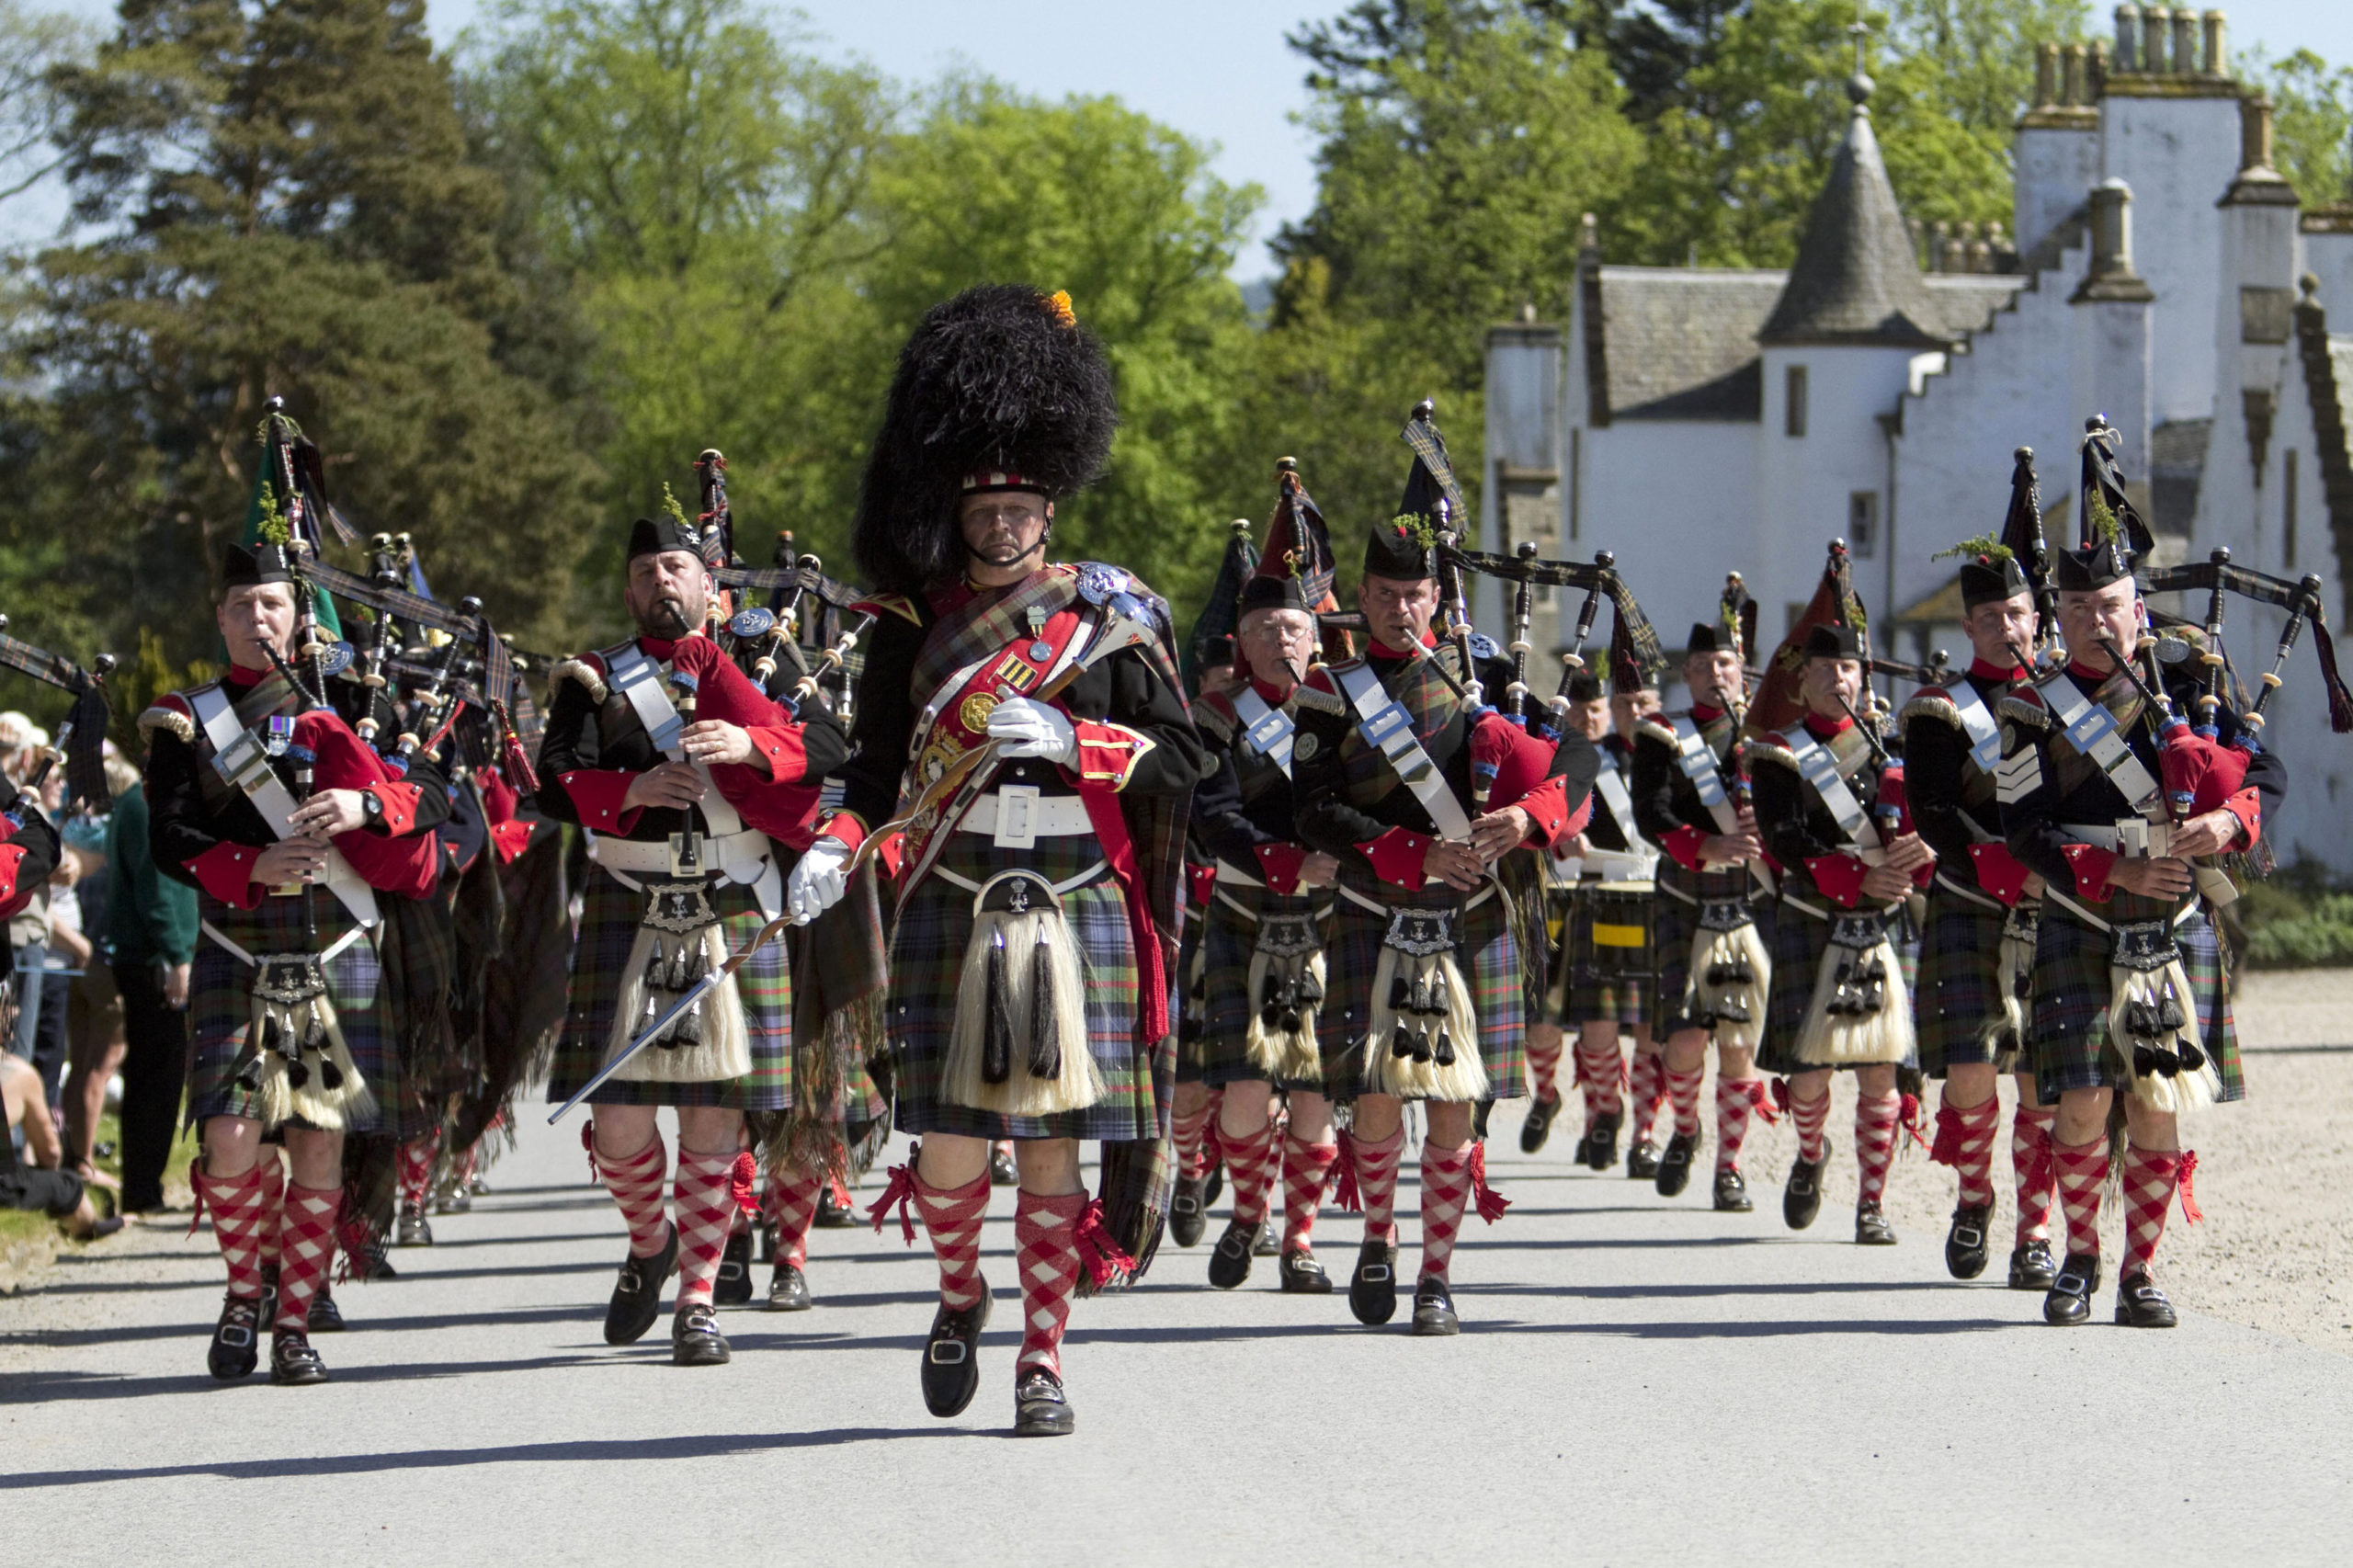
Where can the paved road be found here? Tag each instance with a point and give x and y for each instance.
(1636, 1383)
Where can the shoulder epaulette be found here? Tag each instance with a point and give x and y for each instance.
(172, 713)
(2024, 705)
(890, 603)
(1930, 702)
(1320, 692)
(590, 674)
(1659, 731)
(1771, 748)
(1214, 717)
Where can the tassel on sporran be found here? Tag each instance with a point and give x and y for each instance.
(296, 1059)
(1424, 1039)
(1286, 988)
(679, 940)
(1019, 1043)
(1860, 1011)
(2152, 1022)
(1731, 973)
(2004, 1033)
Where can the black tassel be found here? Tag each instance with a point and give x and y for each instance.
(1045, 1034)
(297, 1075)
(1400, 995)
(1443, 1054)
(2192, 1058)
(330, 1075)
(996, 1037)
(1401, 1044)
(2145, 1061)
(2170, 1014)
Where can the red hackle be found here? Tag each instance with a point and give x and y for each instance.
(1907, 1115)
(1104, 1260)
(1346, 1197)
(2190, 1212)
(1493, 1205)
(1946, 1150)
(742, 1179)
(900, 1189)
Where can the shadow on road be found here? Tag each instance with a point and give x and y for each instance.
(634, 1450)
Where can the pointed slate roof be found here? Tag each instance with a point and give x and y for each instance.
(1856, 279)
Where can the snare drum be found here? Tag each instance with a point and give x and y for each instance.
(1613, 930)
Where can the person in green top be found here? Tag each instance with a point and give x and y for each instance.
(151, 929)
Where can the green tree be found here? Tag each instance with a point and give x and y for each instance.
(283, 203)
(2312, 126)
(32, 45)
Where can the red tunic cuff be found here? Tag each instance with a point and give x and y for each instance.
(2000, 874)
(788, 757)
(1107, 753)
(1279, 864)
(1684, 844)
(2092, 865)
(1396, 857)
(226, 870)
(845, 826)
(1203, 885)
(599, 792)
(2247, 806)
(1547, 806)
(11, 857)
(511, 839)
(1839, 876)
(399, 801)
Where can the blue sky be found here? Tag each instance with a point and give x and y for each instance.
(1215, 69)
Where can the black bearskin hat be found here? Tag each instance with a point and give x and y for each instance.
(1000, 380)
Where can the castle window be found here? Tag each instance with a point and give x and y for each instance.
(1862, 522)
(1793, 400)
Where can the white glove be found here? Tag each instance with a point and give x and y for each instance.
(817, 883)
(1023, 728)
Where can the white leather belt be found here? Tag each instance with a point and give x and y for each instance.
(2112, 838)
(1609, 865)
(1233, 876)
(629, 858)
(1048, 816)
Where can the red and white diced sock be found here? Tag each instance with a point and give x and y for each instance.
(703, 1196)
(1875, 1119)
(2082, 1170)
(636, 1182)
(305, 1248)
(1446, 1193)
(1189, 1126)
(417, 1157)
(1250, 1156)
(1683, 1091)
(2032, 1168)
(1377, 1184)
(792, 1205)
(1306, 1168)
(1812, 1118)
(1045, 1245)
(273, 1203)
(1544, 1064)
(1647, 1088)
(953, 1216)
(237, 1215)
(1965, 1141)
(1600, 1070)
(2151, 1178)
(1737, 1100)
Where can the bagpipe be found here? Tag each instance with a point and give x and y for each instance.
(82, 735)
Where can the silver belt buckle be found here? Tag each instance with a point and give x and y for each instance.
(1017, 816)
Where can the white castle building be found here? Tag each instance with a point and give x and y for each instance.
(1696, 421)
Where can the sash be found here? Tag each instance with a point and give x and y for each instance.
(1977, 722)
(2093, 731)
(1269, 728)
(751, 859)
(238, 756)
(1698, 760)
(1611, 785)
(1388, 730)
(1820, 770)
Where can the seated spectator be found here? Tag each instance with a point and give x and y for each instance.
(31, 1180)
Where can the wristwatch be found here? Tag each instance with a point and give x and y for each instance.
(372, 809)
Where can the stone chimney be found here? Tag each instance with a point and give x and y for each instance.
(2215, 60)
(2128, 37)
(2110, 275)
(2260, 225)
(2111, 359)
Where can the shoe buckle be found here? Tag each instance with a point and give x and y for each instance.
(1185, 1203)
(1374, 1273)
(1968, 1236)
(2071, 1285)
(236, 1335)
(948, 1353)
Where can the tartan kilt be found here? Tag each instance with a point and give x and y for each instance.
(1799, 940)
(1959, 988)
(1227, 948)
(1192, 1010)
(927, 958)
(2067, 1026)
(1674, 923)
(221, 998)
(1589, 996)
(608, 921)
(1485, 951)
